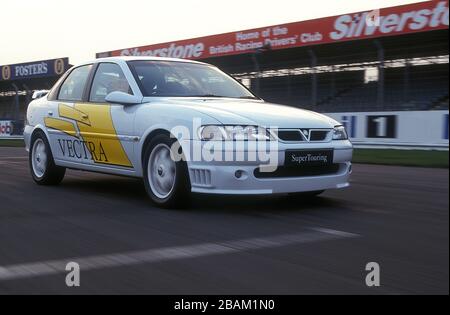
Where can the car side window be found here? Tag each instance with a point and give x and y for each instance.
(108, 78)
(73, 87)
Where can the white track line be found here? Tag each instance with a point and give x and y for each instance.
(10, 163)
(46, 268)
(14, 158)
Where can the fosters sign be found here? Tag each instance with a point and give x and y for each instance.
(44, 68)
(412, 18)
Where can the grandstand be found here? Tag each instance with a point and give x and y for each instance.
(407, 87)
(415, 77)
(423, 87)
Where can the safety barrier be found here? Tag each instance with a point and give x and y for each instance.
(403, 130)
(400, 130)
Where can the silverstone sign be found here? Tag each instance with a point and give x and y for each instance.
(412, 18)
(44, 68)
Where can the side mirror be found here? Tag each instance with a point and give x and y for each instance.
(39, 94)
(122, 98)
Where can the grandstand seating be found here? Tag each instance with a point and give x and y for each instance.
(426, 89)
(7, 108)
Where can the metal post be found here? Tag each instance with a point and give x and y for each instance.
(406, 81)
(333, 81)
(28, 94)
(257, 68)
(289, 89)
(380, 90)
(313, 65)
(16, 102)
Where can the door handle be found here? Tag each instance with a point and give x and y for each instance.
(85, 116)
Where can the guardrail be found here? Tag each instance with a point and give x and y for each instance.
(11, 138)
(397, 130)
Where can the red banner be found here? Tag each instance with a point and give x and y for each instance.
(412, 18)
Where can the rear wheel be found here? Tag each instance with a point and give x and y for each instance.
(42, 166)
(166, 181)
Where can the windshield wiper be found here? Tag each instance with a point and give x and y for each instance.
(222, 96)
(248, 97)
(207, 95)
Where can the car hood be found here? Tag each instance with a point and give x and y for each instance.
(250, 112)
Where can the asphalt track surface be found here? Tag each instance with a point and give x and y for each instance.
(395, 216)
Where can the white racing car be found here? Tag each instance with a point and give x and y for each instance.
(182, 126)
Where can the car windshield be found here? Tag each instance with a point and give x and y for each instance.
(184, 79)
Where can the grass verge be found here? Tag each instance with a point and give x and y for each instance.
(422, 158)
(12, 143)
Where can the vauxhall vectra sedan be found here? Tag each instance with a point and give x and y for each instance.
(182, 126)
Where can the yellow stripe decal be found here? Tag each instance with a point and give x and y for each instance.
(61, 125)
(69, 112)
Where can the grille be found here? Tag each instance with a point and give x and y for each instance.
(300, 135)
(298, 171)
(290, 135)
(318, 135)
(201, 177)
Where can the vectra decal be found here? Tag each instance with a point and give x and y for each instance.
(79, 149)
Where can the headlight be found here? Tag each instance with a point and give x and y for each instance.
(233, 133)
(339, 133)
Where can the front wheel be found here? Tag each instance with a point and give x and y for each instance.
(166, 180)
(42, 166)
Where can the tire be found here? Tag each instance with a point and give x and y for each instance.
(306, 195)
(166, 181)
(42, 166)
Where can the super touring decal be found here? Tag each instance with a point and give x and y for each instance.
(93, 132)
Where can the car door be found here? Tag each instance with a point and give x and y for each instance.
(108, 131)
(62, 119)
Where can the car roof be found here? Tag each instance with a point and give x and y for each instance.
(143, 58)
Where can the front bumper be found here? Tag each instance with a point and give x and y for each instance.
(28, 130)
(220, 177)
